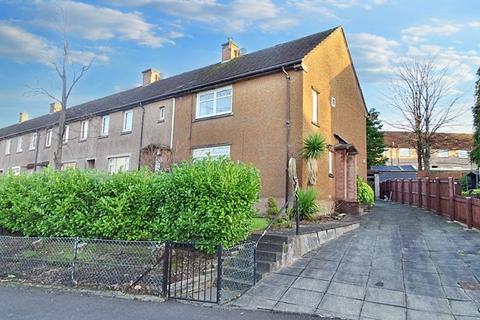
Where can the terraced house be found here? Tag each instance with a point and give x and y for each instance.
(255, 108)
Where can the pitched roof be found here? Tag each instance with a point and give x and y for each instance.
(443, 141)
(255, 63)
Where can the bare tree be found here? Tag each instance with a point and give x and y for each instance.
(422, 93)
(69, 72)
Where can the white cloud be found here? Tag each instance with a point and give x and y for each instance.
(100, 23)
(23, 47)
(326, 8)
(373, 55)
(234, 16)
(422, 32)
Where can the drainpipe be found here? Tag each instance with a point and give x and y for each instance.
(173, 124)
(141, 135)
(36, 151)
(287, 137)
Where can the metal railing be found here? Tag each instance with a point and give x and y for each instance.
(175, 270)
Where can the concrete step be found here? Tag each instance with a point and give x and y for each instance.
(272, 238)
(265, 267)
(272, 247)
(269, 256)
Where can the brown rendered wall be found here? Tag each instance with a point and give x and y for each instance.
(255, 130)
(330, 72)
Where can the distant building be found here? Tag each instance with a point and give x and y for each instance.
(378, 174)
(450, 151)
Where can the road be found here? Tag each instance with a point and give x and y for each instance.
(32, 303)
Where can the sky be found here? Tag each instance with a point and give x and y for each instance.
(125, 37)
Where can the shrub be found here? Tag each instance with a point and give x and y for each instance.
(307, 203)
(464, 183)
(206, 201)
(365, 194)
(313, 146)
(272, 208)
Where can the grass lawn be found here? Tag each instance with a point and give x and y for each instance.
(258, 224)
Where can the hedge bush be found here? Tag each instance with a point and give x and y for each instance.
(365, 194)
(208, 201)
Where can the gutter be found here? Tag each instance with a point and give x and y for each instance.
(287, 133)
(246, 75)
(173, 124)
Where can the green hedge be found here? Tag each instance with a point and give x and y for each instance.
(205, 201)
(365, 194)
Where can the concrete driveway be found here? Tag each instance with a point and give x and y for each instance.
(402, 263)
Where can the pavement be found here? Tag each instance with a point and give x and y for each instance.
(31, 303)
(402, 263)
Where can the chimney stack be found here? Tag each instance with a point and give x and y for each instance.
(55, 107)
(150, 76)
(230, 50)
(23, 117)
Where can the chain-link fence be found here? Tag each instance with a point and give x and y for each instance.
(177, 270)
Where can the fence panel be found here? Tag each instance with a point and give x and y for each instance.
(476, 212)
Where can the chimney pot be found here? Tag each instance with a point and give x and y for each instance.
(23, 117)
(150, 76)
(55, 107)
(230, 50)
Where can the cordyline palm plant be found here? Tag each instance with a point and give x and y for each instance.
(313, 148)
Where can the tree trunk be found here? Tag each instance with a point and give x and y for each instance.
(58, 154)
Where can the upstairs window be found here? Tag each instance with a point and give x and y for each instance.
(404, 152)
(84, 130)
(19, 144)
(215, 102)
(314, 106)
(213, 152)
(127, 121)
(443, 153)
(48, 138)
(463, 154)
(162, 114)
(105, 126)
(33, 141)
(66, 134)
(8, 146)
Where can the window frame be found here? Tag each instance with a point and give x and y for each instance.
(206, 154)
(8, 147)
(215, 98)
(84, 130)
(403, 155)
(16, 170)
(110, 158)
(330, 163)
(48, 138)
(443, 153)
(66, 134)
(162, 113)
(69, 163)
(105, 126)
(20, 144)
(124, 122)
(315, 106)
(33, 141)
(466, 152)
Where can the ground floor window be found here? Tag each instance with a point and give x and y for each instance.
(214, 152)
(118, 164)
(69, 165)
(15, 170)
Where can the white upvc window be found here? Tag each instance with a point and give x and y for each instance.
(314, 106)
(48, 138)
(127, 121)
(69, 165)
(118, 164)
(8, 146)
(66, 134)
(15, 171)
(214, 152)
(162, 114)
(443, 153)
(84, 130)
(330, 163)
(105, 126)
(463, 154)
(19, 144)
(214, 102)
(33, 141)
(404, 152)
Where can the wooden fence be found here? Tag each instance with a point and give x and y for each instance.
(438, 195)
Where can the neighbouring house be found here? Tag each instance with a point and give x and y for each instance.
(450, 151)
(255, 108)
(379, 174)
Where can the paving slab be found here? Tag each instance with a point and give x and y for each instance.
(402, 263)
